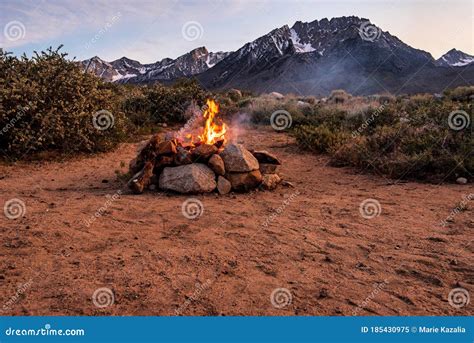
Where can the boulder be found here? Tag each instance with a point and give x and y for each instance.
(266, 168)
(302, 104)
(204, 151)
(276, 95)
(223, 185)
(217, 164)
(238, 159)
(234, 94)
(189, 178)
(264, 156)
(461, 180)
(244, 181)
(270, 181)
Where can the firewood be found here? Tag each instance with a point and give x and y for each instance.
(219, 144)
(142, 179)
(183, 156)
(166, 148)
(149, 152)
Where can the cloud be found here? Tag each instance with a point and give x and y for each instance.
(46, 20)
(150, 29)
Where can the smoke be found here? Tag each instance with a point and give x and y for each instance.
(193, 125)
(237, 126)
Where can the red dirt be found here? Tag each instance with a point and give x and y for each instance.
(319, 247)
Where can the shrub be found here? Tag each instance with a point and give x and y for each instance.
(338, 96)
(160, 104)
(319, 138)
(461, 94)
(49, 104)
(404, 138)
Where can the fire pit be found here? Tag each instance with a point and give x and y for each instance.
(199, 159)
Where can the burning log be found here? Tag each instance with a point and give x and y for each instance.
(202, 162)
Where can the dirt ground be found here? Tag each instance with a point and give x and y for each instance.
(311, 240)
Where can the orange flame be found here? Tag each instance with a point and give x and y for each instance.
(212, 131)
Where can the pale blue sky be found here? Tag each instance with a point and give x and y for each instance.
(148, 30)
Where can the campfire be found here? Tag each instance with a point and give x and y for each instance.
(200, 158)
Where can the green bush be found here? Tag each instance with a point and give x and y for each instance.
(161, 104)
(338, 96)
(461, 93)
(49, 104)
(319, 138)
(407, 138)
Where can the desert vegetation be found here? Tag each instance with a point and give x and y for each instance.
(419, 137)
(49, 105)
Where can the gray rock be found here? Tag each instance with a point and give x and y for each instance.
(204, 151)
(266, 168)
(217, 164)
(461, 180)
(276, 95)
(264, 156)
(189, 178)
(302, 104)
(223, 185)
(244, 181)
(238, 159)
(270, 181)
(235, 94)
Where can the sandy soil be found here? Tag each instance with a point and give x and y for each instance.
(230, 260)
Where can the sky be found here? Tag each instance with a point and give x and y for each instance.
(150, 30)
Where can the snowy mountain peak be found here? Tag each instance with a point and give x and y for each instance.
(125, 70)
(455, 58)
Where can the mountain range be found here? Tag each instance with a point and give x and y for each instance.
(309, 58)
